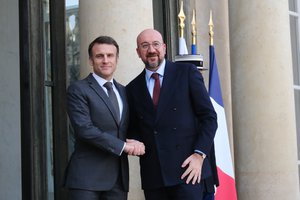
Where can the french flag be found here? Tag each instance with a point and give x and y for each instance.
(226, 190)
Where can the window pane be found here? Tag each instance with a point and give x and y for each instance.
(297, 107)
(47, 50)
(299, 173)
(48, 103)
(72, 51)
(72, 40)
(293, 5)
(295, 48)
(49, 143)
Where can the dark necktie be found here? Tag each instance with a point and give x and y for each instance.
(113, 98)
(156, 89)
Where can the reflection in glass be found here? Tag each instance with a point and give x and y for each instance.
(295, 48)
(297, 107)
(293, 5)
(72, 41)
(48, 102)
(49, 143)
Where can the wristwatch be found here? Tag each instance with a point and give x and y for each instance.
(201, 154)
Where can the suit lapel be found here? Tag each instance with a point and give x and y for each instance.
(144, 96)
(124, 101)
(101, 93)
(168, 88)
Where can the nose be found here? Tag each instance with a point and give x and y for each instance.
(105, 58)
(151, 48)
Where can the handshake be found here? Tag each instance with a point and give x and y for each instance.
(134, 147)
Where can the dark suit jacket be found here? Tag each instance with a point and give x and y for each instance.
(213, 180)
(184, 121)
(95, 163)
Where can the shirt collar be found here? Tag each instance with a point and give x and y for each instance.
(101, 81)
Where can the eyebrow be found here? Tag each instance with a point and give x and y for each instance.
(150, 42)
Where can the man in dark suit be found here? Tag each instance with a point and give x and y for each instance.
(98, 111)
(171, 113)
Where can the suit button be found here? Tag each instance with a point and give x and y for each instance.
(174, 109)
(174, 129)
(155, 132)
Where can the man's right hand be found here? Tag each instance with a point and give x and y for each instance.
(134, 147)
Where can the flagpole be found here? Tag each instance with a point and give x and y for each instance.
(226, 189)
(181, 17)
(182, 43)
(183, 54)
(211, 27)
(194, 32)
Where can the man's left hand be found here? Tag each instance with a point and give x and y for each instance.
(193, 171)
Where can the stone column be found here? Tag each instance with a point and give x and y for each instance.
(122, 20)
(263, 101)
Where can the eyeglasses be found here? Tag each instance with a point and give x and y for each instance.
(155, 45)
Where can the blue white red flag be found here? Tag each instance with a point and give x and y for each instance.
(226, 190)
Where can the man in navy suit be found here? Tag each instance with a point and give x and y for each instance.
(176, 122)
(98, 111)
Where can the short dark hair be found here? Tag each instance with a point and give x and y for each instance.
(103, 40)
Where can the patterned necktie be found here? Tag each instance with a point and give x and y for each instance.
(113, 98)
(156, 89)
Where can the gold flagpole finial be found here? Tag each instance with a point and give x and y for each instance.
(211, 26)
(181, 17)
(194, 31)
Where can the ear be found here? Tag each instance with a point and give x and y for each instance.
(138, 52)
(91, 62)
(165, 47)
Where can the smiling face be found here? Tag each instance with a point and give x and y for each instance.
(104, 60)
(151, 48)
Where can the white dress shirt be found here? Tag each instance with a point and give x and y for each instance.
(150, 81)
